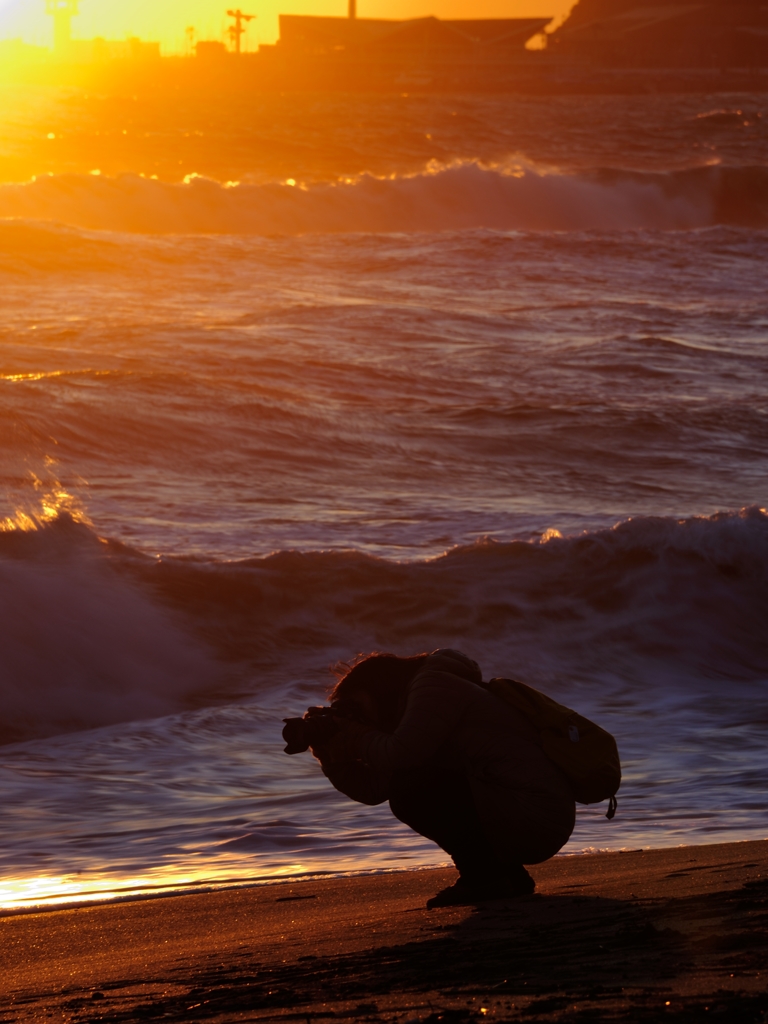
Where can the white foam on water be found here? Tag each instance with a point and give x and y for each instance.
(517, 195)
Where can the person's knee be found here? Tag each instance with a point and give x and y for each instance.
(408, 808)
(415, 795)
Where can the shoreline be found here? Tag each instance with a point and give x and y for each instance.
(608, 935)
(204, 886)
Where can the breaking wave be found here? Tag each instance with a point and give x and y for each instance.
(94, 632)
(82, 645)
(466, 195)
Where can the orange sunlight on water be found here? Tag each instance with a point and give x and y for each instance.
(167, 21)
(59, 890)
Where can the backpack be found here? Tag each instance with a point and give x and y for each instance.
(584, 752)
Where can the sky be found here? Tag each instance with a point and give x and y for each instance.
(166, 20)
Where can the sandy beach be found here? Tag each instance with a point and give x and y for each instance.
(675, 934)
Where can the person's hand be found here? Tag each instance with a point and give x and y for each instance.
(352, 732)
(315, 712)
(344, 745)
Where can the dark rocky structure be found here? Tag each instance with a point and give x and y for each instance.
(665, 34)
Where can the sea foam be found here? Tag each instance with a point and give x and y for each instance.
(515, 196)
(82, 645)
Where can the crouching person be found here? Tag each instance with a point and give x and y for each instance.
(457, 765)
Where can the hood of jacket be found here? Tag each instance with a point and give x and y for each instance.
(457, 664)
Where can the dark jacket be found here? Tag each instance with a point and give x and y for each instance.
(524, 801)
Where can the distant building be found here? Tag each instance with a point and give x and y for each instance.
(88, 51)
(210, 49)
(62, 12)
(488, 39)
(655, 33)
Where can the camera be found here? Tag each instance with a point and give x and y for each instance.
(317, 726)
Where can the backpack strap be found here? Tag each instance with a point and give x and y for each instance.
(613, 803)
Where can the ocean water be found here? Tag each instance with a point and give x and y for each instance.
(306, 376)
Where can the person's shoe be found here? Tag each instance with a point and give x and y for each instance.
(523, 883)
(465, 893)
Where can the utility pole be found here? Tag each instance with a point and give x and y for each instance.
(62, 12)
(236, 30)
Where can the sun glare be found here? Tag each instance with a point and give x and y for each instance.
(19, 893)
(173, 24)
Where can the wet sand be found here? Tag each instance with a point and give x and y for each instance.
(679, 934)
